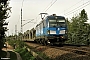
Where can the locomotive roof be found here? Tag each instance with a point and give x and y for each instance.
(52, 17)
(58, 17)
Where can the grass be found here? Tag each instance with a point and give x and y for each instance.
(20, 48)
(25, 54)
(39, 53)
(12, 55)
(23, 51)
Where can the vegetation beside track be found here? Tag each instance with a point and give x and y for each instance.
(39, 52)
(21, 48)
(25, 54)
(16, 43)
(78, 29)
(12, 55)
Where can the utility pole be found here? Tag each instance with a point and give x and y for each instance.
(21, 26)
(15, 29)
(21, 21)
(16, 32)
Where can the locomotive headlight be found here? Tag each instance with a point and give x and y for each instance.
(51, 32)
(62, 32)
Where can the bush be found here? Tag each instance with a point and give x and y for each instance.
(16, 43)
(21, 49)
(25, 54)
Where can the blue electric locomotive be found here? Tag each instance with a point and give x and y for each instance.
(51, 30)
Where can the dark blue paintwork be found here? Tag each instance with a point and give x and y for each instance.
(45, 29)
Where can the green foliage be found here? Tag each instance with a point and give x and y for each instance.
(12, 55)
(4, 14)
(17, 43)
(25, 54)
(78, 30)
(21, 49)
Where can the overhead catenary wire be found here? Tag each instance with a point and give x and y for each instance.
(78, 8)
(68, 13)
(71, 6)
(47, 8)
(50, 6)
(28, 22)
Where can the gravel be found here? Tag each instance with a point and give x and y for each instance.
(52, 52)
(57, 54)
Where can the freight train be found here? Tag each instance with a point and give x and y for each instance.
(51, 30)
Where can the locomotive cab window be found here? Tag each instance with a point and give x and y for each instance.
(57, 23)
(61, 23)
(52, 23)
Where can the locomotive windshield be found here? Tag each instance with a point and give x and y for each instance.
(57, 23)
(52, 23)
(61, 23)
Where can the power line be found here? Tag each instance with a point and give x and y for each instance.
(72, 6)
(50, 5)
(78, 8)
(44, 10)
(28, 22)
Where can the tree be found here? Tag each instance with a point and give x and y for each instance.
(77, 29)
(4, 14)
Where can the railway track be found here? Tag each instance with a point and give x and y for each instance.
(55, 50)
(74, 49)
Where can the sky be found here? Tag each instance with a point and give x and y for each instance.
(32, 8)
